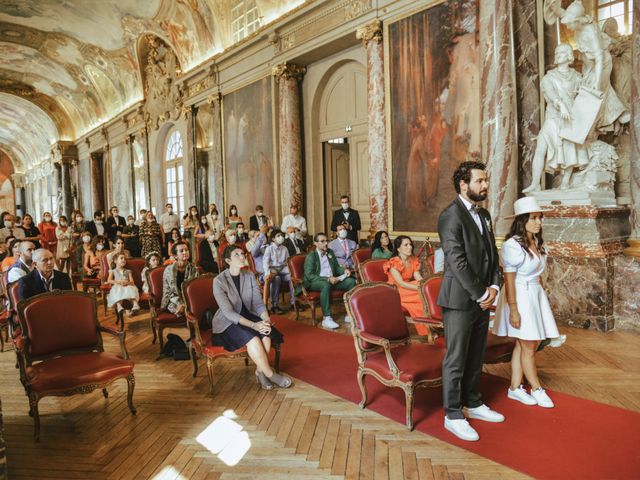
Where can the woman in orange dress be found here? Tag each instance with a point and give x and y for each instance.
(403, 271)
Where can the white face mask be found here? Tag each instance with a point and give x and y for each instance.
(279, 240)
(214, 217)
(345, 206)
(211, 238)
(232, 239)
(240, 231)
(47, 219)
(292, 236)
(8, 224)
(169, 211)
(342, 234)
(130, 222)
(99, 246)
(86, 239)
(98, 221)
(63, 223)
(234, 213)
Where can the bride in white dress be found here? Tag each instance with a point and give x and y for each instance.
(523, 311)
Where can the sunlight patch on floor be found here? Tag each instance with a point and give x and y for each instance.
(226, 439)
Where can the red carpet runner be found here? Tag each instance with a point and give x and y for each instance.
(576, 439)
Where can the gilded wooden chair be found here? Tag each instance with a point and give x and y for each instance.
(372, 270)
(160, 319)
(383, 347)
(357, 257)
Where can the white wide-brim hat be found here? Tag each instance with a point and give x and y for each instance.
(525, 205)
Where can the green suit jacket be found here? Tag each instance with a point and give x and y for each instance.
(312, 267)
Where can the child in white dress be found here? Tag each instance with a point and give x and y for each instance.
(122, 285)
(523, 310)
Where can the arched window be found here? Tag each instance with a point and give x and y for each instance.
(174, 172)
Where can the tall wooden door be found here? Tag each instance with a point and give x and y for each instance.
(337, 177)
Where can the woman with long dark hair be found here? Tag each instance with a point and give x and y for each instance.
(382, 246)
(523, 310)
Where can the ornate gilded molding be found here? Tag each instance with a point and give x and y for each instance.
(289, 70)
(214, 99)
(371, 31)
(355, 8)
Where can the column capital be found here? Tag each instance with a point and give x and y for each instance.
(371, 31)
(214, 99)
(289, 70)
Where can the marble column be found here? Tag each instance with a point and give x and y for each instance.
(97, 181)
(289, 138)
(499, 113)
(216, 171)
(66, 187)
(634, 240)
(57, 171)
(371, 36)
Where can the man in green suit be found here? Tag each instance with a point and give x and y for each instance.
(322, 273)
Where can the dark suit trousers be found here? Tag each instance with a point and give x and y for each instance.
(465, 332)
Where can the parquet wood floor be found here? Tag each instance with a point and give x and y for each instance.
(300, 433)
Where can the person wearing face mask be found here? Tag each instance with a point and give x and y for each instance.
(214, 222)
(168, 221)
(78, 227)
(293, 242)
(115, 224)
(141, 217)
(348, 218)
(256, 246)
(65, 245)
(276, 270)
(151, 235)
(295, 220)
(48, 230)
(230, 238)
(259, 219)
(131, 235)
(92, 258)
(31, 232)
(96, 226)
(343, 247)
(9, 229)
(194, 230)
(233, 219)
(208, 253)
(243, 236)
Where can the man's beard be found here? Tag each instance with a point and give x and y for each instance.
(477, 196)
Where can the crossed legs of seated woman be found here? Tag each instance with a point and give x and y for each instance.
(242, 319)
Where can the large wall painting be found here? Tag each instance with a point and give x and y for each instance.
(121, 179)
(248, 148)
(433, 109)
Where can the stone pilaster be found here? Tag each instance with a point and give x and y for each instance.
(216, 170)
(97, 182)
(371, 36)
(288, 76)
(498, 140)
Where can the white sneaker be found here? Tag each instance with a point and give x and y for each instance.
(483, 413)
(329, 322)
(542, 398)
(461, 429)
(521, 395)
(347, 319)
(558, 341)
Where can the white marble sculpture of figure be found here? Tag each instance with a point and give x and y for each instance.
(560, 86)
(596, 72)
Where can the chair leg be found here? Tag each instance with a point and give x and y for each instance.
(295, 305)
(313, 313)
(408, 394)
(105, 392)
(194, 360)
(33, 406)
(246, 361)
(2, 340)
(160, 337)
(363, 388)
(210, 374)
(131, 383)
(104, 302)
(277, 360)
(153, 329)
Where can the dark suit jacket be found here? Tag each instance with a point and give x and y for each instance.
(32, 284)
(312, 267)
(206, 260)
(292, 249)
(353, 220)
(91, 228)
(114, 225)
(470, 261)
(254, 224)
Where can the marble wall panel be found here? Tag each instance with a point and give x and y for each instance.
(121, 186)
(626, 293)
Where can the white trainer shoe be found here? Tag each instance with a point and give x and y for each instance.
(347, 319)
(521, 395)
(558, 341)
(483, 413)
(330, 323)
(461, 429)
(541, 397)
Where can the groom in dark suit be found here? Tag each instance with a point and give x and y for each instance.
(469, 287)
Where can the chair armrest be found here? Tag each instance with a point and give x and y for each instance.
(384, 343)
(191, 318)
(429, 321)
(121, 336)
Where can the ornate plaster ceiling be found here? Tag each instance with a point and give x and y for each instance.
(76, 62)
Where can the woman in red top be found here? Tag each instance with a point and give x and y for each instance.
(48, 230)
(403, 270)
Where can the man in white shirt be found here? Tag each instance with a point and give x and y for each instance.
(168, 221)
(142, 217)
(24, 264)
(9, 229)
(343, 247)
(294, 220)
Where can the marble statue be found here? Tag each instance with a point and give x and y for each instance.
(582, 108)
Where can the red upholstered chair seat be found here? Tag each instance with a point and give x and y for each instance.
(416, 362)
(93, 282)
(144, 297)
(372, 270)
(313, 296)
(73, 371)
(167, 317)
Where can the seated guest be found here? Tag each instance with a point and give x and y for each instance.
(343, 247)
(123, 288)
(382, 246)
(259, 219)
(403, 271)
(233, 219)
(5, 250)
(152, 261)
(174, 237)
(274, 264)
(131, 233)
(118, 247)
(92, 256)
(242, 319)
(294, 220)
(173, 277)
(13, 253)
(230, 238)
(256, 246)
(24, 264)
(243, 237)
(294, 242)
(43, 278)
(323, 273)
(208, 253)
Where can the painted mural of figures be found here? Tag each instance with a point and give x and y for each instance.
(254, 182)
(560, 87)
(417, 173)
(596, 72)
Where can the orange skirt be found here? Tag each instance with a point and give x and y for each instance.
(410, 300)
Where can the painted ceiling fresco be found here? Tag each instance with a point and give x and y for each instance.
(77, 59)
